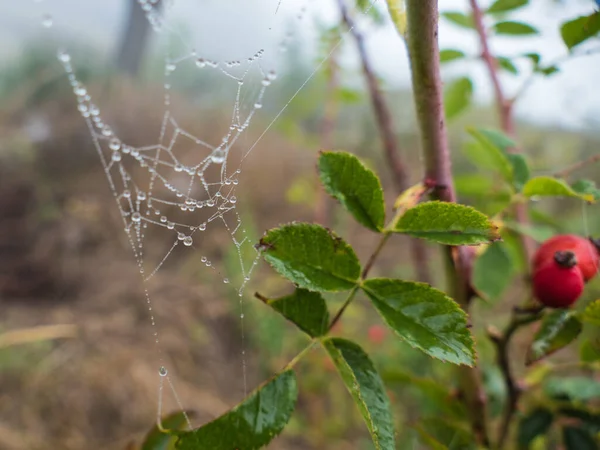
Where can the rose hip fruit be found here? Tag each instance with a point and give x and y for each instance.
(586, 251)
(559, 282)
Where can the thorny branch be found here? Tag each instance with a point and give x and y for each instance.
(422, 40)
(385, 123)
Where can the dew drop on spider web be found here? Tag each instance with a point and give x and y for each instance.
(163, 371)
(136, 217)
(163, 219)
(63, 56)
(126, 193)
(202, 227)
(170, 225)
(218, 156)
(116, 156)
(180, 236)
(188, 241)
(114, 144)
(233, 199)
(47, 20)
(141, 196)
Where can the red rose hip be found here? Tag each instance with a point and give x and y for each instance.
(586, 251)
(559, 282)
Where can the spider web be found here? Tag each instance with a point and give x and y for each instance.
(183, 186)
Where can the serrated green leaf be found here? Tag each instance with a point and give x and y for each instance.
(576, 388)
(306, 309)
(507, 64)
(457, 96)
(502, 6)
(534, 424)
(493, 271)
(586, 187)
(493, 145)
(448, 55)
(460, 19)
(551, 187)
(579, 30)
(311, 256)
(592, 313)
(424, 317)
(578, 438)
(367, 389)
(161, 440)
(357, 188)
(521, 172)
(558, 329)
(250, 425)
(447, 223)
(510, 28)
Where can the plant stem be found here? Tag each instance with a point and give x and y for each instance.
(505, 112)
(422, 33)
(388, 135)
(564, 173)
(502, 342)
(341, 311)
(300, 355)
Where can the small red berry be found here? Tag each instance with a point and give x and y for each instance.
(586, 252)
(559, 282)
(376, 334)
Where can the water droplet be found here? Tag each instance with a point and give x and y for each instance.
(233, 199)
(106, 131)
(116, 156)
(63, 56)
(266, 82)
(178, 168)
(218, 156)
(210, 203)
(180, 236)
(188, 241)
(79, 90)
(126, 149)
(136, 217)
(257, 105)
(170, 67)
(241, 316)
(208, 264)
(203, 259)
(47, 20)
(163, 219)
(202, 227)
(226, 280)
(246, 278)
(201, 62)
(126, 193)
(170, 225)
(163, 371)
(272, 75)
(141, 195)
(94, 111)
(114, 144)
(82, 107)
(235, 182)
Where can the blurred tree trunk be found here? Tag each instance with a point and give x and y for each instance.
(134, 39)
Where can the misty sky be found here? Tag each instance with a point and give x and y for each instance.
(235, 29)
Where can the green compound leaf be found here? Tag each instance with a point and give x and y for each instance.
(448, 55)
(306, 309)
(250, 425)
(367, 389)
(457, 96)
(558, 329)
(357, 188)
(311, 256)
(592, 313)
(448, 223)
(493, 271)
(502, 6)
(576, 388)
(552, 187)
(578, 438)
(162, 440)
(579, 30)
(534, 424)
(510, 28)
(424, 317)
(460, 19)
